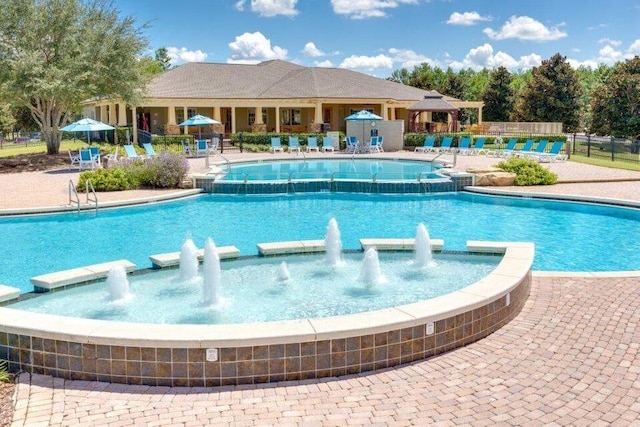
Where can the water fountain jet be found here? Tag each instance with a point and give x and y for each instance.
(422, 248)
(211, 273)
(283, 275)
(370, 272)
(117, 283)
(333, 244)
(188, 261)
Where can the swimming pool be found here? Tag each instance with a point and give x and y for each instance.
(568, 236)
(312, 169)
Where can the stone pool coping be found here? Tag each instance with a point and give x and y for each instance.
(272, 351)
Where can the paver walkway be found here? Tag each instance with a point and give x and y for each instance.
(570, 358)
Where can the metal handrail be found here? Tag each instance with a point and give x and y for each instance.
(73, 191)
(225, 159)
(89, 186)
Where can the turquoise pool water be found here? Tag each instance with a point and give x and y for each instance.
(568, 236)
(250, 291)
(357, 169)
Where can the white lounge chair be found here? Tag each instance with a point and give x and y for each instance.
(427, 146)
(112, 159)
(352, 144)
(202, 147)
(74, 159)
(87, 161)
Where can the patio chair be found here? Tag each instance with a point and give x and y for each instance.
(87, 161)
(215, 144)
(553, 154)
(275, 145)
(375, 145)
(312, 144)
(506, 152)
(531, 154)
(427, 146)
(478, 147)
(352, 144)
(445, 145)
(464, 146)
(74, 159)
(112, 159)
(294, 144)
(130, 151)
(202, 147)
(95, 153)
(327, 144)
(148, 148)
(186, 148)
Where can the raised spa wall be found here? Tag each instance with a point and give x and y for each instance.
(214, 355)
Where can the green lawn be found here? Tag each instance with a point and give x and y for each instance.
(605, 163)
(10, 150)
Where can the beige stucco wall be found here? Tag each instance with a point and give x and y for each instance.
(391, 130)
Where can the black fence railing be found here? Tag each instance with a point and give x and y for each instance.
(605, 147)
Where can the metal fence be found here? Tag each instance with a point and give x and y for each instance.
(606, 147)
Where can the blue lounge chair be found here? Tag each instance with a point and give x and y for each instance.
(312, 144)
(327, 144)
(352, 144)
(553, 154)
(478, 146)
(530, 154)
(445, 145)
(202, 147)
(427, 146)
(275, 145)
(148, 148)
(86, 161)
(130, 151)
(464, 146)
(95, 153)
(376, 144)
(294, 144)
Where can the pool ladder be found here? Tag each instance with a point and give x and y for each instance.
(75, 198)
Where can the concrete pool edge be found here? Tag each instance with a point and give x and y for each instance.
(267, 352)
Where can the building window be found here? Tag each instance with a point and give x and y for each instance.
(191, 112)
(291, 116)
(179, 115)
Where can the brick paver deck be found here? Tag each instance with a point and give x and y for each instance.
(570, 358)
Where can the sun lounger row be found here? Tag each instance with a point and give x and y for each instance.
(294, 144)
(464, 146)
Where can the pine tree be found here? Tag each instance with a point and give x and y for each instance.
(498, 97)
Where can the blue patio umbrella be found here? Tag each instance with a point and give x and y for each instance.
(86, 125)
(199, 120)
(363, 116)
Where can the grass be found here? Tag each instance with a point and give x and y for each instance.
(12, 150)
(605, 163)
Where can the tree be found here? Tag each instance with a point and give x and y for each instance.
(615, 104)
(54, 54)
(498, 96)
(162, 57)
(455, 88)
(552, 94)
(7, 121)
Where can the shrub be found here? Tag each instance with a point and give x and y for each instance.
(112, 179)
(166, 170)
(5, 376)
(528, 172)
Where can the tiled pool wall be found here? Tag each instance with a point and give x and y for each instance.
(73, 357)
(210, 185)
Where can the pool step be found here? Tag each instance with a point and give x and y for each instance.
(172, 259)
(88, 273)
(398, 244)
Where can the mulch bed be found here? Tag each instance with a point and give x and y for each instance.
(33, 162)
(6, 403)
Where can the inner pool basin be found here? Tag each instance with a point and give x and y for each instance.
(568, 236)
(270, 289)
(320, 169)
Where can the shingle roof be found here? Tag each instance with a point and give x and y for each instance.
(433, 101)
(273, 80)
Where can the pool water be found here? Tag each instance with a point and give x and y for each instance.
(360, 169)
(568, 236)
(250, 291)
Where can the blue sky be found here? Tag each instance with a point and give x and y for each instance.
(379, 36)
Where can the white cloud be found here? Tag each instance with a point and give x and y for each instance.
(484, 57)
(589, 63)
(525, 28)
(324, 64)
(634, 49)
(310, 49)
(251, 48)
(607, 40)
(270, 8)
(609, 55)
(467, 18)
(367, 62)
(363, 9)
(409, 59)
(179, 55)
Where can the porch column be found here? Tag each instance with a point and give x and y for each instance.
(216, 114)
(393, 114)
(171, 116)
(318, 113)
(277, 119)
(233, 119)
(122, 114)
(385, 111)
(103, 114)
(186, 128)
(135, 124)
(259, 115)
(113, 118)
(479, 115)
